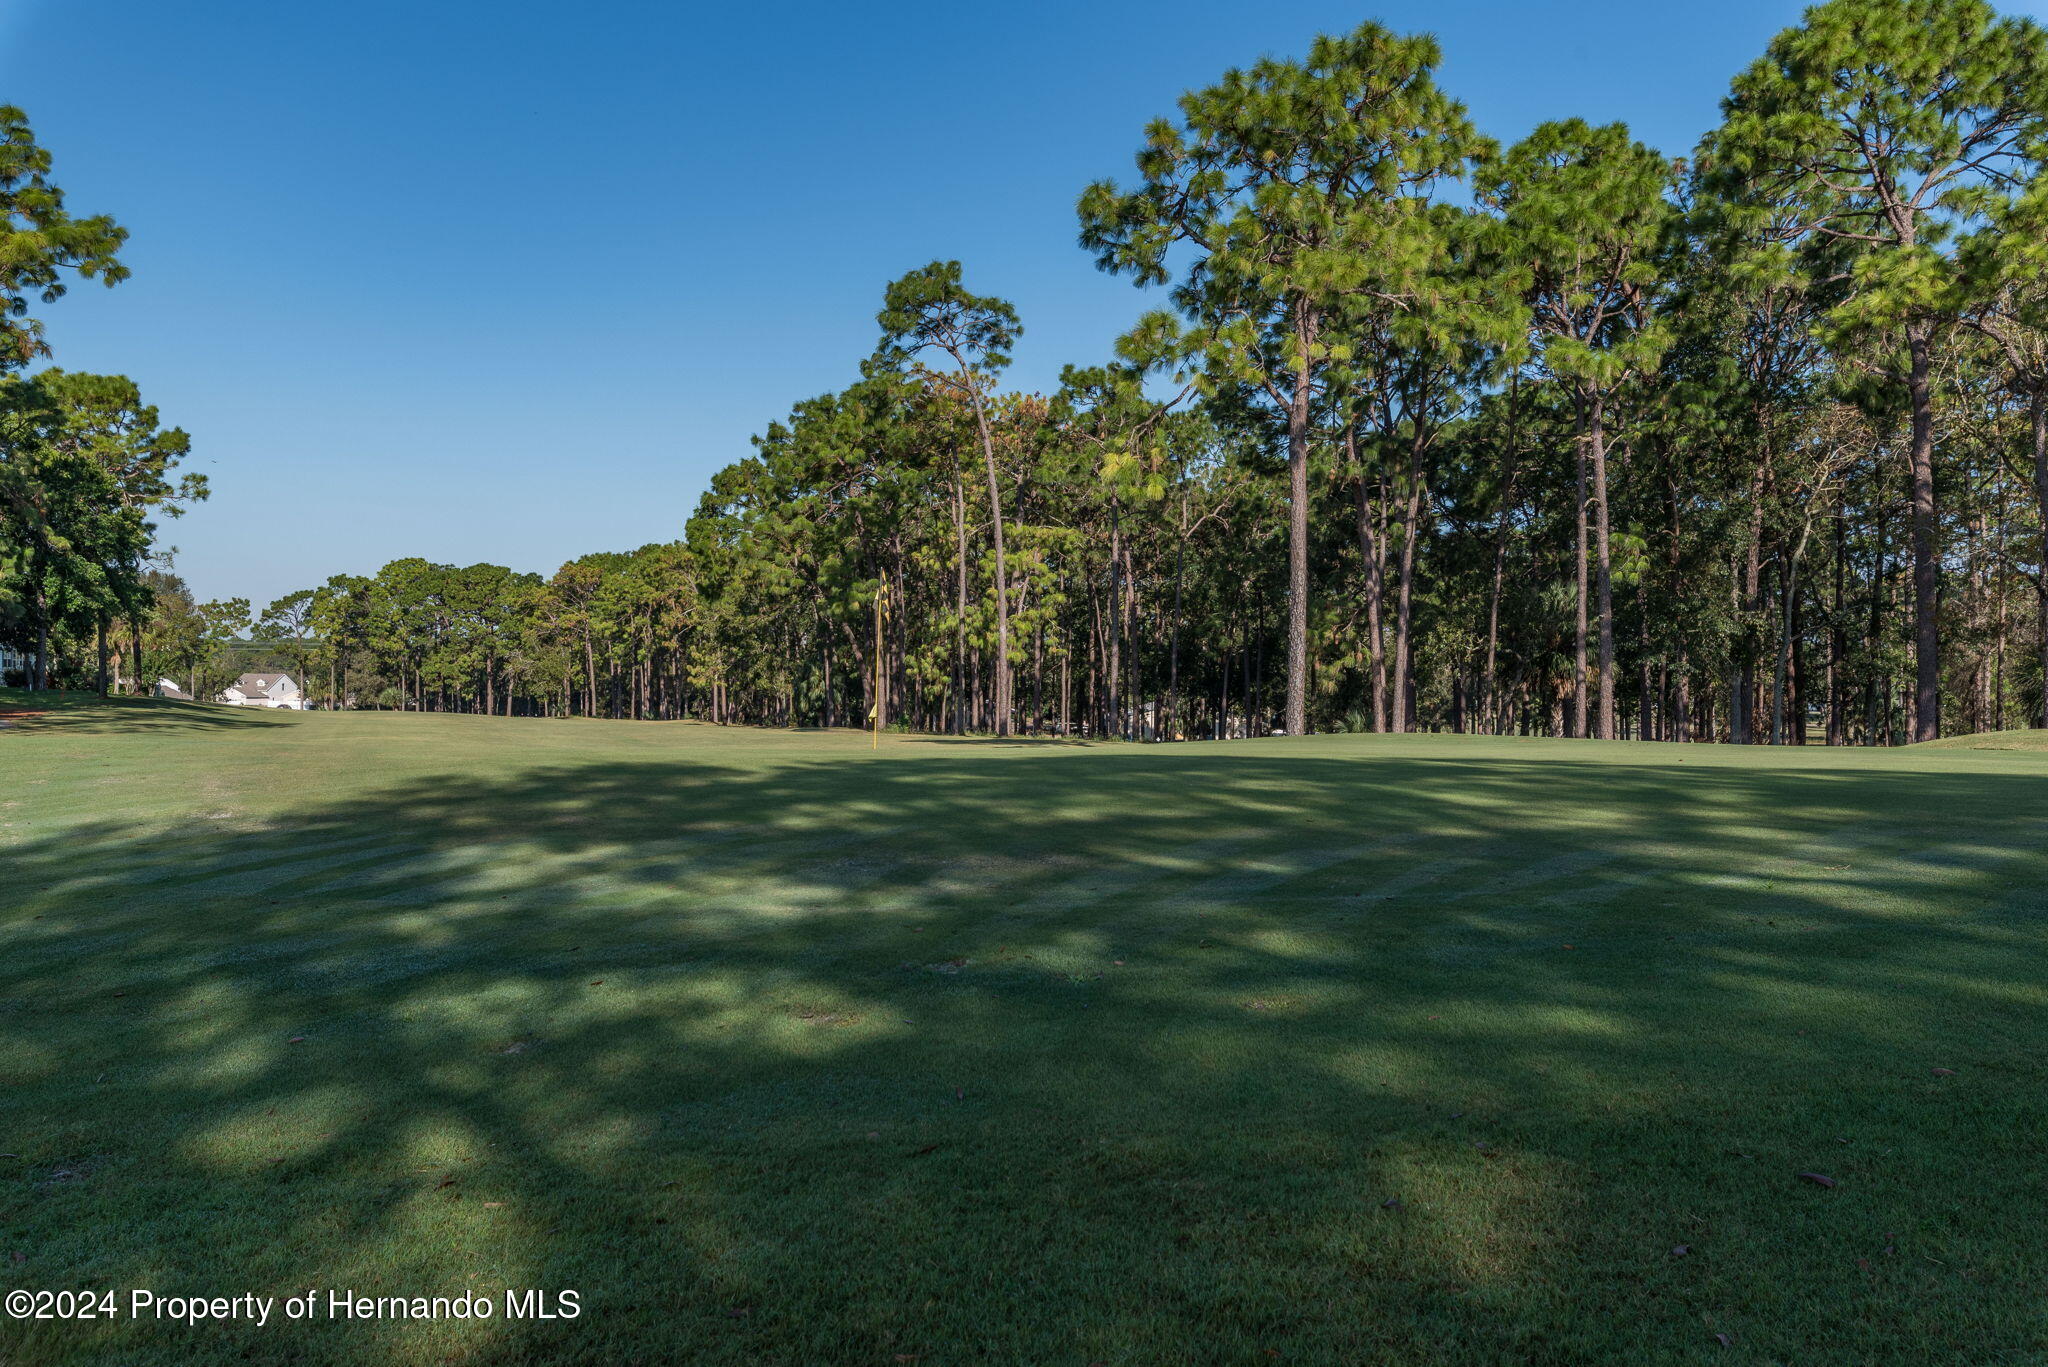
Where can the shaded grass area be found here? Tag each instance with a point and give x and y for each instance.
(89, 712)
(1348, 1049)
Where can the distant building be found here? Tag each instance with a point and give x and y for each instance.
(264, 690)
(165, 688)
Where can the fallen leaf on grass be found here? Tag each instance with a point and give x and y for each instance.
(929, 1148)
(1944, 1072)
(1681, 1250)
(1391, 1203)
(1724, 1340)
(296, 1039)
(494, 1205)
(1819, 1179)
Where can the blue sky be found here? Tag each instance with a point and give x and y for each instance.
(492, 281)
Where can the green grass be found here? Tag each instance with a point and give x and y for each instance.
(1416, 1050)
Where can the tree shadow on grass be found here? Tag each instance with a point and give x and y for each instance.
(28, 713)
(1117, 1056)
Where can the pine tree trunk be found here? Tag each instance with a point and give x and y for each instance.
(1223, 701)
(1679, 727)
(2039, 415)
(1877, 686)
(1787, 626)
(1742, 699)
(1112, 631)
(959, 605)
(1131, 722)
(1488, 711)
(1371, 551)
(1926, 568)
(1647, 705)
(1801, 677)
(1596, 440)
(1001, 690)
(1038, 682)
(1404, 599)
(1579, 578)
(1066, 690)
(1297, 541)
(1838, 636)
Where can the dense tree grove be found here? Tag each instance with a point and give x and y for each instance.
(1567, 437)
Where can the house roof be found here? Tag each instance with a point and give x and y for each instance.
(259, 683)
(166, 689)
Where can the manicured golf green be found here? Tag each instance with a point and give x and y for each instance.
(779, 1050)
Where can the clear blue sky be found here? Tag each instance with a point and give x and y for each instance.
(489, 281)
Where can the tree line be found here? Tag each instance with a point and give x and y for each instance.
(85, 464)
(1568, 437)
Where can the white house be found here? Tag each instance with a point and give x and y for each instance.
(264, 690)
(168, 688)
